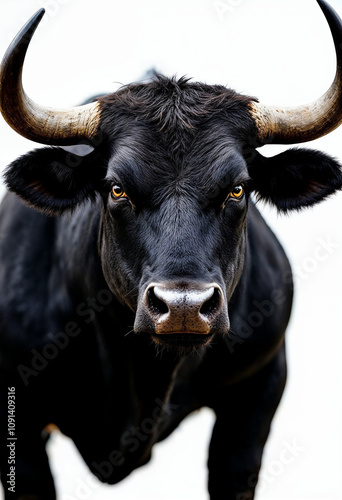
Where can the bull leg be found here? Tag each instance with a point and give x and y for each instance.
(31, 478)
(244, 415)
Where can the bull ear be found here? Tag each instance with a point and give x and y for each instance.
(296, 178)
(54, 180)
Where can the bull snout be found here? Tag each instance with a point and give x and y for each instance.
(182, 313)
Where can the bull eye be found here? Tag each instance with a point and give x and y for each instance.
(237, 193)
(118, 192)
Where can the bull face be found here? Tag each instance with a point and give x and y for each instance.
(174, 163)
(174, 231)
(175, 210)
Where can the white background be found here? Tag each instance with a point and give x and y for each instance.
(281, 52)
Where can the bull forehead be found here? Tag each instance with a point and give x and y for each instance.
(172, 117)
(142, 166)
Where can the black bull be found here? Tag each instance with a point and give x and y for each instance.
(156, 289)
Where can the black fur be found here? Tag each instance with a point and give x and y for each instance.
(75, 339)
(54, 180)
(296, 178)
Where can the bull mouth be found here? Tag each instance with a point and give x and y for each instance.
(185, 342)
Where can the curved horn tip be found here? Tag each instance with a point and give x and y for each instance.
(40, 12)
(23, 38)
(311, 121)
(323, 4)
(330, 14)
(36, 18)
(38, 123)
(30, 27)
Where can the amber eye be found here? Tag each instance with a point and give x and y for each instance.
(118, 192)
(237, 192)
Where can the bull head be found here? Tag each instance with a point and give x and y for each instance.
(174, 170)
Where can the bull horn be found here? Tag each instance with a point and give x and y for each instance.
(305, 123)
(37, 123)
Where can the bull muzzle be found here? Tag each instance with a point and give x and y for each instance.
(182, 313)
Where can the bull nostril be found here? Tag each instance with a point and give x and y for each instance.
(156, 305)
(211, 305)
